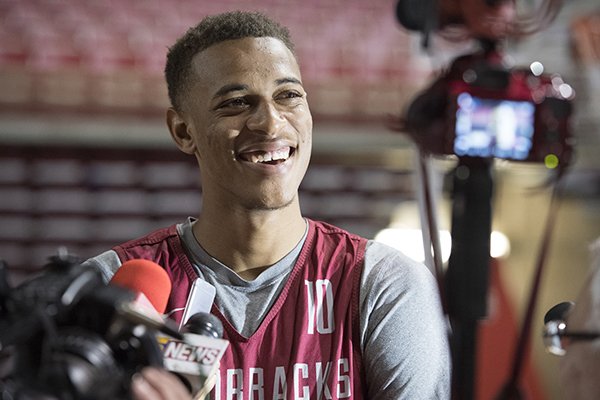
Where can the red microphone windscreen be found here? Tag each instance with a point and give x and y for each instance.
(147, 277)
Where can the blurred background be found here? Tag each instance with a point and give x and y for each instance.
(86, 161)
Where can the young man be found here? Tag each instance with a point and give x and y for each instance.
(310, 310)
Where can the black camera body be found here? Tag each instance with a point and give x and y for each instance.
(480, 108)
(63, 336)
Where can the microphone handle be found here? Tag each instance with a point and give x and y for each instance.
(132, 315)
(208, 385)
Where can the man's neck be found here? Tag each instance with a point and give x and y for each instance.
(249, 242)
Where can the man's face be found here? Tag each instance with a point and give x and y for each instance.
(250, 124)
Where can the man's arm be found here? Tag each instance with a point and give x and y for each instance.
(403, 330)
(107, 263)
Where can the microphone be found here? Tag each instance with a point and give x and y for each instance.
(193, 354)
(146, 277)
(69, 335)
(201, 297)
(195, 359)
(204, 324)
(152, 287)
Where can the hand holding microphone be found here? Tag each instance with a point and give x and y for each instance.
(69, 335)
(183, 377)
(196, 358)
(192, 354)
(155, 383)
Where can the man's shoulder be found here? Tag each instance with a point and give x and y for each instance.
(330, 229)
(380, 252)
(107, 263)
(154, 237)
(149, 246)
(377, 254)
(390, 266)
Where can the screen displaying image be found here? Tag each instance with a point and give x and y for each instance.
(493, 128)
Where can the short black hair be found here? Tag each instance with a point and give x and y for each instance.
(210, 31)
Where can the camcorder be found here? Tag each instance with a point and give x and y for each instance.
(64, 335)
(480, 108)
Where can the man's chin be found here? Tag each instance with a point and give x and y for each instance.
(270, 204)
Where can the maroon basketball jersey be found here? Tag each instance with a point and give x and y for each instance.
(308, 345)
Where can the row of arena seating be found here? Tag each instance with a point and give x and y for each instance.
(111, 54)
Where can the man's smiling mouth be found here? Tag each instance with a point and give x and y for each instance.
(267, 157)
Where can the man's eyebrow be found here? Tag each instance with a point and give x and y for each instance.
(288, 80)
(234, 87)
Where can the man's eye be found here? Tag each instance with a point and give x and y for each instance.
(238, 102)
(290, 95)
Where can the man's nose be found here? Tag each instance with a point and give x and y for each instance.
(265, 118)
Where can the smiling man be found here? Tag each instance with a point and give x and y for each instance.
(310, 310)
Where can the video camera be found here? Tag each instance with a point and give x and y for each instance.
(63, 335)
(481, 108)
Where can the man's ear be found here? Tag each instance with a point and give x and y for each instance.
(179, 131)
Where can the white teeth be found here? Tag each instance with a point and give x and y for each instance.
(282, 154)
